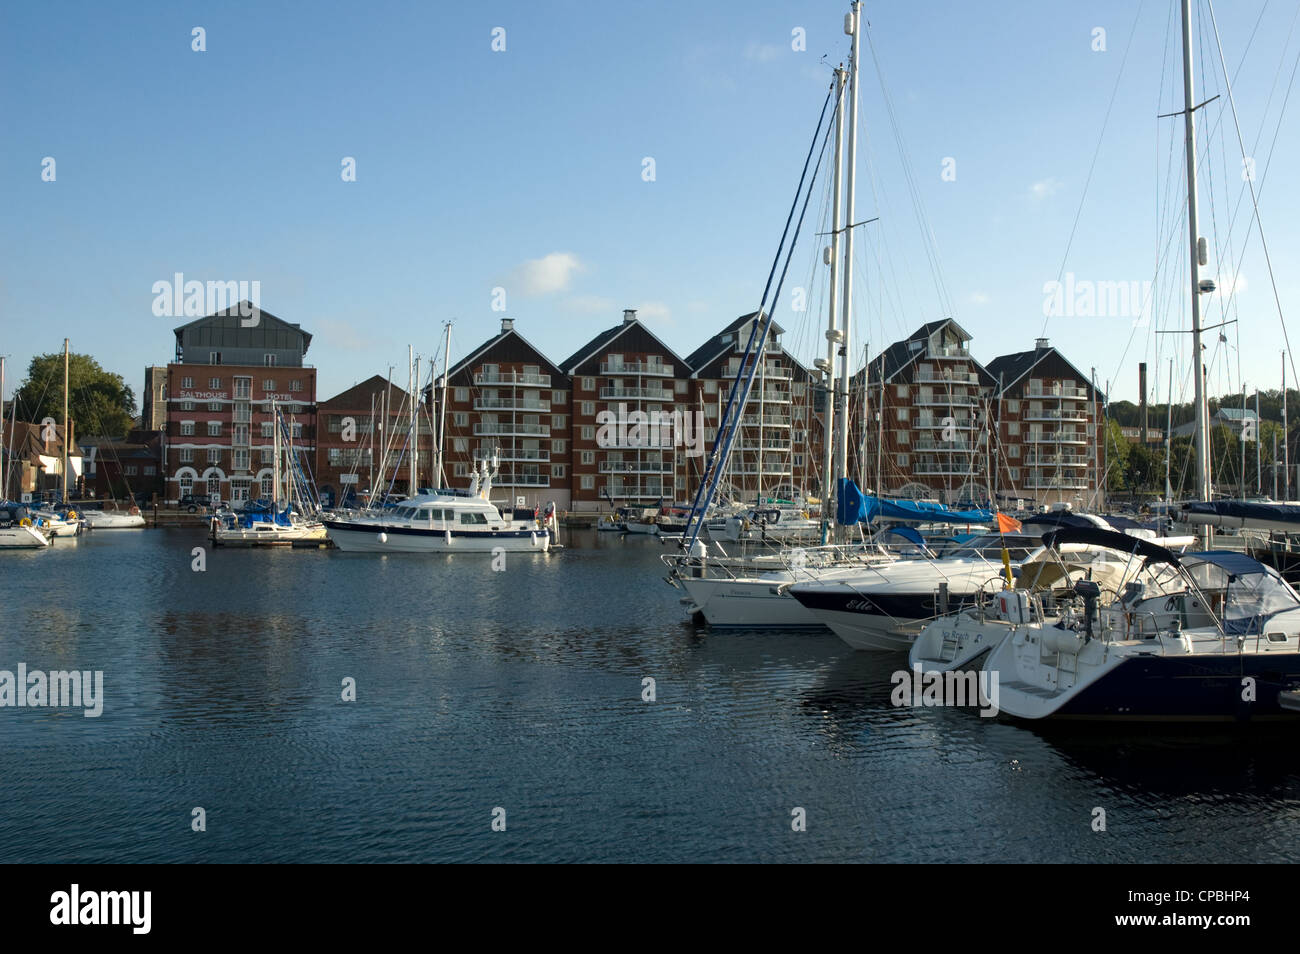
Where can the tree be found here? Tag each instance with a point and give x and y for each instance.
(99, 402)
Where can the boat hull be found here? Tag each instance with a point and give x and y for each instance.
(381, 539)
(22, 538)
(746, 604)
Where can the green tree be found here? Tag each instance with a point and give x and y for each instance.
(99, 402)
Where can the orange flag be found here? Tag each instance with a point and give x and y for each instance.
(1007, 524)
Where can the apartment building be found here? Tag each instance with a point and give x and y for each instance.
(927, 418)
(774, 455)
(362, 446)
(507, 400)
(627, 444)
(1050, 428)
(221, 390)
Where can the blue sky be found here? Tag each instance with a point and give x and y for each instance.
(523, 169)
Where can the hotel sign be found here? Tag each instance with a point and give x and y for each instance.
(204, 395)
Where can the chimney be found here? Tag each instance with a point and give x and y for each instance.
(1040, 344)
(507, 324)
(629, 315)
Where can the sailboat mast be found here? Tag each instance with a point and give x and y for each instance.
(410, 396)
(852, 26)
(66, 449)
(442, 410)
(832, 333)
(1286, 442)
(1203, 489)
(1169, 434)
(275, 474)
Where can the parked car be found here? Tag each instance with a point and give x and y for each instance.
(193, 503)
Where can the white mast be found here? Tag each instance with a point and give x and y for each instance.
(442, 411)
(410, 392)
(852, 26)
(275, 471)
(66, 433)
(1203, 489)
(833, 336)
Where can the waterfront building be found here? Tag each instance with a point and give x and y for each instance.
(220, 392)
(1050, 428)
(119, 468)
(507, 400)
(153, 399)
(362, 444)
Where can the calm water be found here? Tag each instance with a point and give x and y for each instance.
(522, 689)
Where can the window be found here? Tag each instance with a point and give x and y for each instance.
(214, 405)
(588, 433)
(149, 469)
(1013, 407)
(710, 387)
(588, 481)
(187, 455)
(588, 457)
(559, 421)
(903, 437)
(462, 469)
(214, 428)
(424, 513)
(559, 397)
(460, 445)
(901, 460)
(557, 447)
(214, 383)
(900, 390)
(588, 408)
(185, 383)
(214, 357)
(557, 470)
(268, 384)
(462, 394)
(268, 360)
(187, 428)
(243, 388)
(473, 519)
(589, 384)
(679, 387)
(214, 455)
(186, 406)
(1013, 427)
(460, 419)
(268, 429)
(1013, 450)
(295, 385)
(187, 486)
(129, 469)
(901, 413)
(1014, 472)
(798, 460)
(239, 460)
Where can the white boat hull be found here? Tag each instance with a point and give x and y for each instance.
(746, 604)
(22, 538)
(108, 520)
(378, 539)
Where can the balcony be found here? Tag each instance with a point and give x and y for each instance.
(1060, 391)
(769, 470)
(522, 480)
(949, 351)
(943, 400)
(956, 377)
(512, 430)
(1057, 460)
(518, 379)
(950, 447)
(768, 420)
(636, 394)
(511, 404)
(508, 454)
(636, 368)
(635, 467)
(777, 447)
(1056, 483)
(942, 423)
(953, 468)
(1058, 437)
(1049, 414)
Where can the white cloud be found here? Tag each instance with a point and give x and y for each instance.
(656, 310)
(544, 276)
(1044, 188)
(978, 298)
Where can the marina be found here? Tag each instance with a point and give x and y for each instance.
(716, 516)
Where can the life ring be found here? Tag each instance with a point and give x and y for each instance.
(72, 515)
(134, 511)
(25, 522)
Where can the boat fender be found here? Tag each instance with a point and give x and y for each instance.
(1062, 641)
(447, 537)
(534, 537)
(744, 524)
(383, 537)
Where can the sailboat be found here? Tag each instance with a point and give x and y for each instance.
(288, 519)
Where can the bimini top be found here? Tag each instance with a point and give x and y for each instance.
(1111, 540)
(1252, 592)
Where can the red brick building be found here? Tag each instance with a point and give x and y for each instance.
(356, 451)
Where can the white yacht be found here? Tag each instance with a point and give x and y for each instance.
(129, 519)
(442, 522)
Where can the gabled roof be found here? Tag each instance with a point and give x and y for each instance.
(900, 354)
(715, 347)
(468, 361)
(1014, 367)
(357, 397)
(239, 311)
(607, 337)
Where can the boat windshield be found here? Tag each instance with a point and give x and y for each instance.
(1244, 592)
(991, 544)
